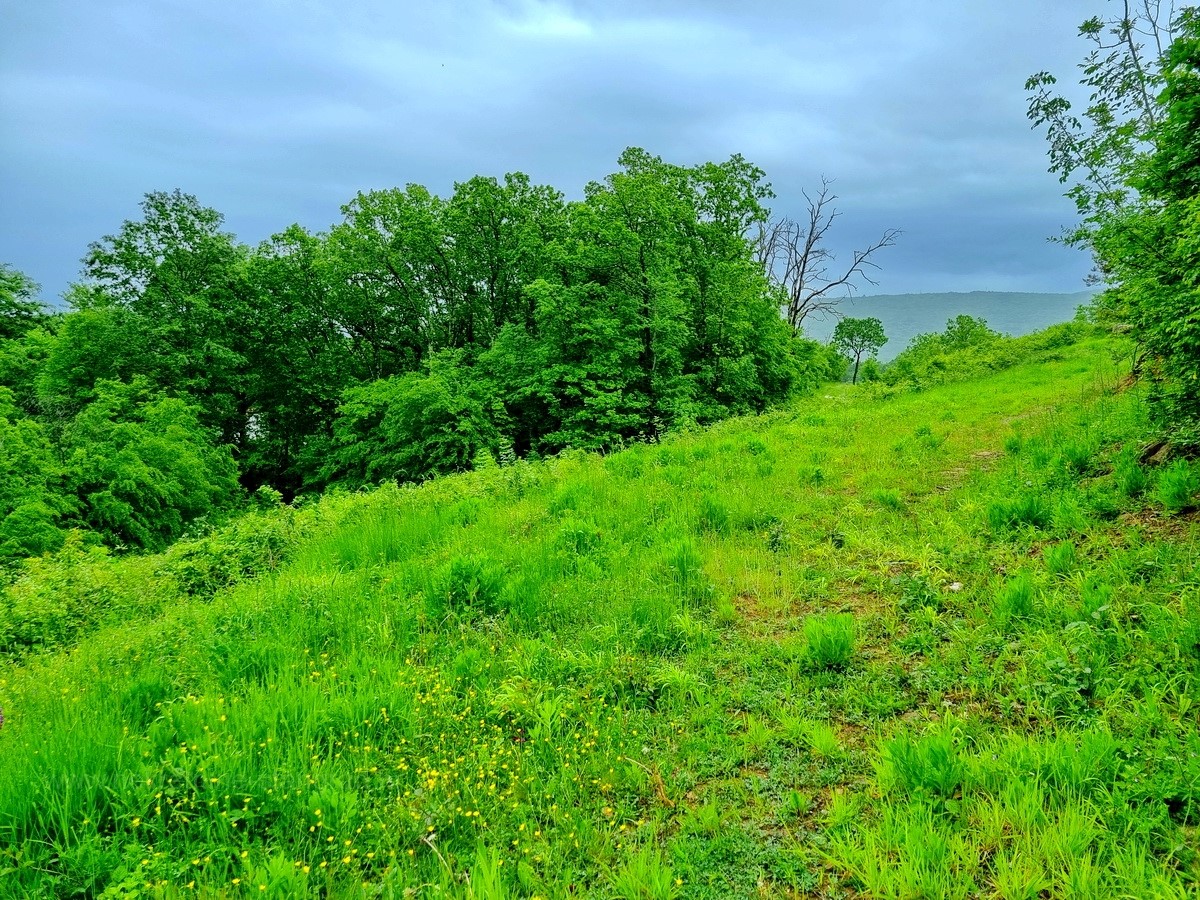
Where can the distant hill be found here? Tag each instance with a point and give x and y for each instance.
(907, 315)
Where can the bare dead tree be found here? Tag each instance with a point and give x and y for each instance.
(794, 256)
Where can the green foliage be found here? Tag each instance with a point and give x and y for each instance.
(1177, 486)
(56, 598)
(20, 311)
(829, 640)
(1131, 479)
(537, 674)
(143, 467)
(645, 876)
(1014, 600)
(33, 502)
(927, 764)
(855, 337)
(412, 427)
(1024, 510)
(1136, 150)
(469, 582)
(419, 336)
(969, 348)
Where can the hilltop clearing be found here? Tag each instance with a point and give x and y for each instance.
(941, 643)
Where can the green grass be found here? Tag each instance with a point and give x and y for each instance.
(959, 662)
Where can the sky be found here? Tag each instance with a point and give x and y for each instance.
(280, 111)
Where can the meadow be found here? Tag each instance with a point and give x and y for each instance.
(885, 643)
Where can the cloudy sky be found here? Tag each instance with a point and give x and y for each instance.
(279, 111)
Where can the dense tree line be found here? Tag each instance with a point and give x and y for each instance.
(415, 337)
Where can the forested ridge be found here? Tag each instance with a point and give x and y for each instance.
(418, 336)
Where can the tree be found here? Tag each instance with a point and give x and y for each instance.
(797, 260)
(142, 466)
(33, 502)
(855, 337)
(181, 276)
(414, 426)
(298, 363)
(1123, 74)
(1136, 156)
(20, 311)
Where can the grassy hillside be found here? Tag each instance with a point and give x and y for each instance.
(940, 644)
(904, 316)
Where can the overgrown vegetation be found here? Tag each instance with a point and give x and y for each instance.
(417, 337)
(800, 654)
(1134, 156)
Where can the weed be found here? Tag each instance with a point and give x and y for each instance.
(1025, 510)
(469, 582)
(1014, 601)
(713, 516)
(645, 876)
(1060, 558)
(889, 498)
(917, 593)
(928, 764)
(829, 640)
(1130, 478)
(1177, 486)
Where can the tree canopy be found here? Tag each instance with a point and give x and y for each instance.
(859, 337)
(417, 335)
(1135, 158)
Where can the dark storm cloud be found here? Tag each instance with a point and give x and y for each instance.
(280, 111)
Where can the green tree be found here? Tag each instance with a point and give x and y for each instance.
(1136, 159)
(142, 466)
(33, 500)
(856, 337)
(299, 360)
(182, 278)
(20, 310)
(414, 426)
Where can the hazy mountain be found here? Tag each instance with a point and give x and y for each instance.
(907, 315)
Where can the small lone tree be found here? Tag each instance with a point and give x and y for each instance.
(855, 337)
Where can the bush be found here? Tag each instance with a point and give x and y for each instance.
(56, 598)
(143, 467)
(412, 427)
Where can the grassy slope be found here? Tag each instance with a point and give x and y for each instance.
(921, 646)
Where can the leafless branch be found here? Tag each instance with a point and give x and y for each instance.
(794, 256)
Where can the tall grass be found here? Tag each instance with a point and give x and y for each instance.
(690, 670)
